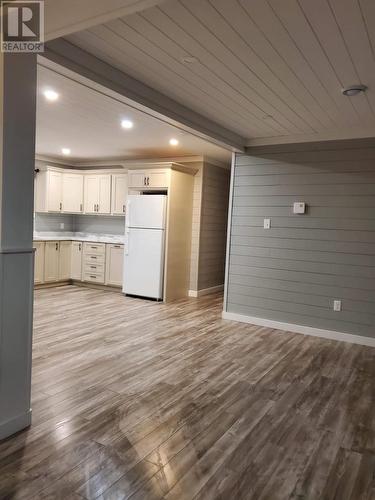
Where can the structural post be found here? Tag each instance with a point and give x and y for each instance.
(17, 154)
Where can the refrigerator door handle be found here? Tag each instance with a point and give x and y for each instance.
(127, 213)
(126, 241)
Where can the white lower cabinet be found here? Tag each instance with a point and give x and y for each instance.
(51, 261)
(94, 262)
(65, 258)
(39, 262)
(114, 265)
(76, 261)
(80, 261)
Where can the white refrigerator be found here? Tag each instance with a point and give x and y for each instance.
(144, 246)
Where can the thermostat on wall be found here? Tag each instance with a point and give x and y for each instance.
(299, 207)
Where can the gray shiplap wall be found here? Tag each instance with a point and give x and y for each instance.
(212, 238)
(293, 271)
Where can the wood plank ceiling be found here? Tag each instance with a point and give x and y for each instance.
(266, 69)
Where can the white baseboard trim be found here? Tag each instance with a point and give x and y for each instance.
(305, 330)
(206, 291)
(15, 424)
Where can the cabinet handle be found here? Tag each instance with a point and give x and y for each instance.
(97, 208)
(60, 206)
(94, 277)
(81, 207)
(57, 246)
(93, 257)
(123, 208)
(148, 181)
(80, 247)
(93, 267)
(145, 181)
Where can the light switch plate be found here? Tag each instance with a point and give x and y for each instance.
(337, 305)
(267, 223)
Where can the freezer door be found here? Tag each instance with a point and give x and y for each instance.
(144, 263)
(146, 211)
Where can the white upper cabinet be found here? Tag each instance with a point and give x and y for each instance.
(72, 193)
(136, 179)
(48, 191)
(54, 191)
(119, 193)
(91, 194)
(146, 179)
(158, 178)
(104, 194)
(58, 191)
(97, 194)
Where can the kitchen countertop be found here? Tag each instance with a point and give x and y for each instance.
(68, 236)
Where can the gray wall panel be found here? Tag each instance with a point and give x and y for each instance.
(214, 213)
(293, 271)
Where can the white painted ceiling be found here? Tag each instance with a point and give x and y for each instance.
(68, 16)
(270, 70)
(88, 122)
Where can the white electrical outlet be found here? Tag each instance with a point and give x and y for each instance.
(337, 305)
(267, 223)
(62, 225)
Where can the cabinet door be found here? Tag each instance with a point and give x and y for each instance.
(91, 194)
(51, 261)
(157, 179)
(72, 193)
(76, 262)
(39, 262)
(119, 193)
(114, 265)
(104, 202)
(136, 179)
(65, 260)
(54, 191)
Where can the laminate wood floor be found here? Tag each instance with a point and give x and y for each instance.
(134, 399)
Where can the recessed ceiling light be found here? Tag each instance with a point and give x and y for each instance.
(51, 95)
(189, 59)
(173, 142)
(127, 124)
(352, 90)
(65, 151)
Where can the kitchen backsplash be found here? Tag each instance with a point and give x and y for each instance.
(53, 222)
(97, 224)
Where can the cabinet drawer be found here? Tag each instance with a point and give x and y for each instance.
(94, 248)
(94, 268)
(94, 259)
(93, 277)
